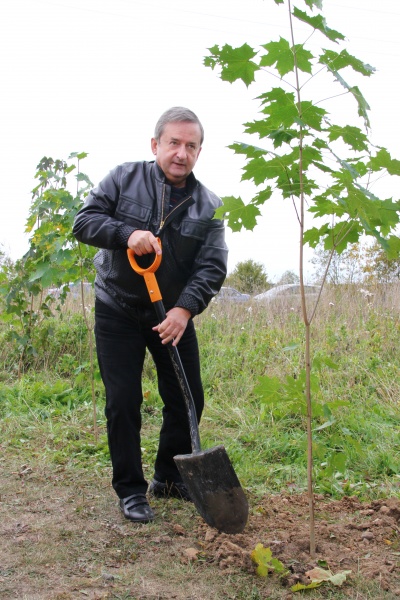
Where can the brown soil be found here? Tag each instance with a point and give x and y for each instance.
(62, 537)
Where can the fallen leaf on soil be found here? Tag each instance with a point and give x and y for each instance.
(178, 529)
(191, 553)
(320, 575)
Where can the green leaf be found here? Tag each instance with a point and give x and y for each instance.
(325, 425)
(83, 177)
(300, 586)
(363, 106)
(303, 58)
(262, 196)
(314, 235)
(383, 160)
(393, 247)
(335, 61)
(277, 566)
(353, 136)
(280, 55)
(238, 214)
(311, 115)
(259, 169)
(262, 557)
(283, 136)
(282, 111)
(268, 387)
(318, 22)
(312, 3)
(235, 63)
(78, 155)
(247, 150)
(284, 57)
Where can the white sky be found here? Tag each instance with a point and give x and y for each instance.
(95, 75)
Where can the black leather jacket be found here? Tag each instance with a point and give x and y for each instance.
(194, 259)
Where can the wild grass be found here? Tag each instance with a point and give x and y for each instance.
(356, 395)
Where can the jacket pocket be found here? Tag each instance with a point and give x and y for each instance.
(194, 229)
(132, 212)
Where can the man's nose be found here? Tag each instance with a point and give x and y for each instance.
(182, 152)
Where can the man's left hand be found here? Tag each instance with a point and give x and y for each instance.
(173, 327)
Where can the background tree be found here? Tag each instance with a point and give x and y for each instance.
(378, 267)
(249, 277)
(288, 277)
(346, 267)
(364, 263)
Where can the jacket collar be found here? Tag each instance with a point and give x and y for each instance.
(191, 181)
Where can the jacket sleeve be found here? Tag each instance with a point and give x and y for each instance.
(95, 223)
(209, 270)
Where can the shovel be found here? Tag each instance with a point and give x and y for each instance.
(208, 474)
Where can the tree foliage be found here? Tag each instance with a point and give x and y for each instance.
(346, 267)
(54, 258)
(325, 168)
(249, 277)
(306, 155)
(288, 277)
(365, 263)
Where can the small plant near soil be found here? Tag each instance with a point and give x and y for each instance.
(265, 562)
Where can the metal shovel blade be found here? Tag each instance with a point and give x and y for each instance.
(214, 488)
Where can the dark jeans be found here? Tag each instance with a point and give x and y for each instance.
(121, 341)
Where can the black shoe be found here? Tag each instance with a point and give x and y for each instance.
(136, 508)
(169, 490)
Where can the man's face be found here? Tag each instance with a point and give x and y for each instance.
(177, 150)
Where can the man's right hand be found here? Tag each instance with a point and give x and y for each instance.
(143, 242)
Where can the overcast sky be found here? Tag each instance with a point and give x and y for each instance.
(94, 76)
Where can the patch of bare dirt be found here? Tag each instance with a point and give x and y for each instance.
(62, 537)
(350, 535)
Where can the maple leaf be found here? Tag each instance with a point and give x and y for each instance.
(265, 562)
(336, 61)
(237, 213)
(353, 136)
(284, 57)
(318, 22)
(235, 63)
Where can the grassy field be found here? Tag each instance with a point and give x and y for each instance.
(356, 392)
(47, 415)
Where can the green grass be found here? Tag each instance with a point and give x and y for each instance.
(356, 395)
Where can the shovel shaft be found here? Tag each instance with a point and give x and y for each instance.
(183, 383)
(156, 298)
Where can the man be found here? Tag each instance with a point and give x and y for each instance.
(131, 207)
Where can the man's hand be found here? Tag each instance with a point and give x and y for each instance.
(143, 242)
(173, 327)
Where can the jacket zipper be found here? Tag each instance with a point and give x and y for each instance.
(163, 221)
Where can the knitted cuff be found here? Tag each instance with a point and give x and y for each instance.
(123, 234)
(190, 303)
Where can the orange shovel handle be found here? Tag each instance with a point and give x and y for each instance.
(148, 274)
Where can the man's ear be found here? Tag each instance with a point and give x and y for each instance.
(154, 145)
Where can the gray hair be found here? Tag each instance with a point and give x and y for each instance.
(177, 114)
